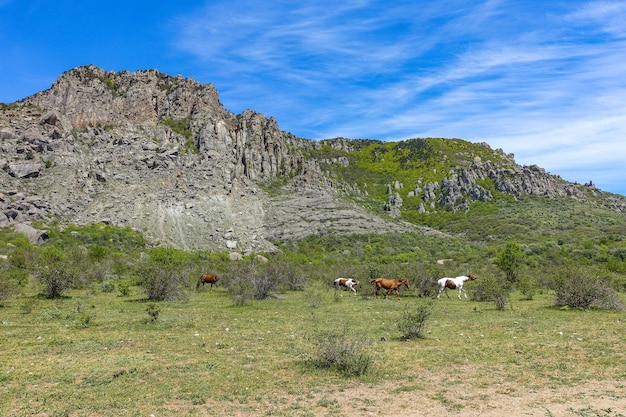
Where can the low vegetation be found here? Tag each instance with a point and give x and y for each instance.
(94, 352)
(98, 316)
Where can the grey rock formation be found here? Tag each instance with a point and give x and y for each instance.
(160, 154)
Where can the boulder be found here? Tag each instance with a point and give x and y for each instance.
(24, 169)
(36, 237)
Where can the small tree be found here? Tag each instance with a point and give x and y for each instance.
(510, 260)
(153, 311)
(258, 280)
(237, 279)
(288, 275)
(11, 281)
(55, 271)
(527, 285)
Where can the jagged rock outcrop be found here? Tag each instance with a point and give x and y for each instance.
(462, 185)
(161, 154)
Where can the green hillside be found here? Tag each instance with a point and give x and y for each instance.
(373, 164)
(548, 236)
(580, 230)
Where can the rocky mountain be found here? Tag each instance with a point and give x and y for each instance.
(162, 155)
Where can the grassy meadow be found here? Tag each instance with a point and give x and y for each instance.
(95, 353)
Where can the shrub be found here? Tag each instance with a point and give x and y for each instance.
(55, 271)
(263, 281)
(11, 282)
(412, 323)
(84, 320)
(585, 287)
(124, 289)
(153, 311)
(527, 285)
(248, 280)
(162, 284)
(373, 270)
(238, 282)
(315, 294)
(509, 260)
(341, 351)
(490, 287)
(288, 275)
(22, 255)
(164, 274)
(423, 280)
(107, 286)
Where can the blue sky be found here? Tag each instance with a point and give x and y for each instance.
(545, 80)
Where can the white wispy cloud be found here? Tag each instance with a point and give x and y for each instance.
(542, 81)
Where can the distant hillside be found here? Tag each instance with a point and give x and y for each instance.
(160, 154)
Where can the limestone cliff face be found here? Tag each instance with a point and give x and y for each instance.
(162, 155)
(174, 113)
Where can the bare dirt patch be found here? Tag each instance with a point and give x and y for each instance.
(427, 398)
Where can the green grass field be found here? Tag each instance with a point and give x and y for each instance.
(99, 354)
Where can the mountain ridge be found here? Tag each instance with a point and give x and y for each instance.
(162, 155)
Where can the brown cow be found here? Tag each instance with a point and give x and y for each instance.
(391, 285)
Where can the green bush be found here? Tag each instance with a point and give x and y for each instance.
(164, 273)
(107, 286)
(84, 320)
(11, 282)
(124, 289)
(585, 287)
(55, 271)
(237, 280)
(527, 285)
(263, 281)
(162, 284)
(288, 275)
(342, 352)
(413, 321)
(490, 287)
(510, 260)
(256, 280)
(315, 294)
(153, 311)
